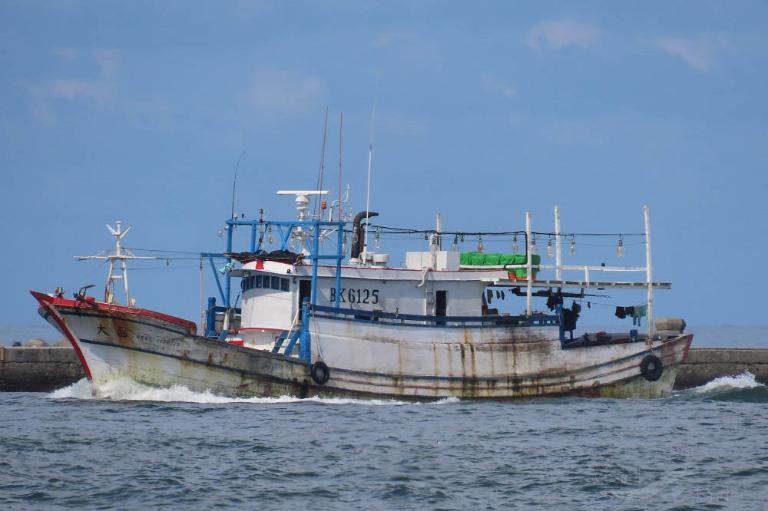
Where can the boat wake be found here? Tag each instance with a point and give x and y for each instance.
(740, 387)
(745, 380)
(125, 389)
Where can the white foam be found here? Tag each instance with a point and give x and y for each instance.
(79, 390)
(745, 380)
(125, 389)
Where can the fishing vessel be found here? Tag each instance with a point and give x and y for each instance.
(317, 311)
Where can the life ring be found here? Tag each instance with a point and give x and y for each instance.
(320, 373)
(651, 367)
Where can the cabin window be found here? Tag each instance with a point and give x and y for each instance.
(265, 282)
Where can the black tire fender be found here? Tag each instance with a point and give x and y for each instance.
(651, 368)
(320, 373)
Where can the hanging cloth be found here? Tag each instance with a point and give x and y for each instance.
(638, 312)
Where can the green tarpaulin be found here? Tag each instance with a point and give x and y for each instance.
(491, 259)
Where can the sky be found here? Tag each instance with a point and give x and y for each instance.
(139, 111)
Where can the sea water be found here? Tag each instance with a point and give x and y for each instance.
(127, 446)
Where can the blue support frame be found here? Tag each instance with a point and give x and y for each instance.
(227, 282)
(253, 238)
(305, 348)
(216, 278)
(285, 230)
(210, 318)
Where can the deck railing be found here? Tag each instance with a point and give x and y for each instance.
(430, 320)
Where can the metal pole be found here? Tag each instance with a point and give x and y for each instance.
(231, 227)
(339, 256)
(315, 261)
(558, 245)
(253, 237)
(648, 268)
(125, 283)
(216, 279)
(368, 193)
(109, 291)
(202, 316)
(528, 264)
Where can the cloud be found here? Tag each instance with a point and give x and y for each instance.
(41, 112)
(283, 92)
(107, 60)
(557, 34)
(697, 54)
(97, 87)
(496, 86)
(76, 89)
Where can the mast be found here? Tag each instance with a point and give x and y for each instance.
(341, 156)
(558, 246)
(234, 186)
(368, 193)
(648, 268)
(528, 265)
(322, 162)
(121, 256)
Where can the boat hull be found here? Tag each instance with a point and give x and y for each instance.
(161, 351)
(501, 362)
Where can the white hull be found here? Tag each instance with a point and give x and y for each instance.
(436, 362)
(365, 360)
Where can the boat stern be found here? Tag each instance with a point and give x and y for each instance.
(672, 353)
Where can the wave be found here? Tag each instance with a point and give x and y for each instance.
(745, 380)
(126, 389)
(742, 387)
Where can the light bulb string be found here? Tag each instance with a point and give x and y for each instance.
(403, 230)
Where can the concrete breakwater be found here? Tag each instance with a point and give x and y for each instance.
(47, 368)
(705, 364)
(38, 369)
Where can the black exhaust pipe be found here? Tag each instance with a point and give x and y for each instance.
(358, 234)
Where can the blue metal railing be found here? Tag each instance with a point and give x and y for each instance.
(285, 231)
(430, 320)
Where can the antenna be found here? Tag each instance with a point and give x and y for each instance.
(341, 155)
(322, 160)
(234, 182)
(120, 255)
(302, 205)
(370, 168)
